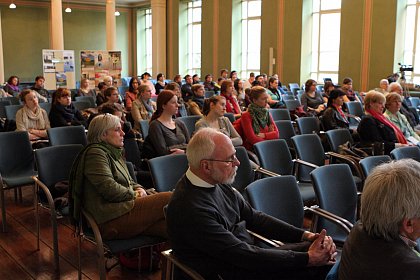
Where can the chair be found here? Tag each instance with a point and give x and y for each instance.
(89, 99)
(167, 170)
(208, 93)
(53, 165)
(169, 265)
(299, 94)
(13, 100)
(81, 105)
(230, 116)
(292, 104)
(320, 88)
(415, 102)
(336, 193)
(368, 163)
(16, 164)
(286, 132)
(308, 125)
(406, 152)
(294, 87)
(274, 155)
(355, 108)
(144, 128)
(67, 135)
(11, 111)
(287, 97)
(3, 104)
(337, 137)
(245, 173)
(46, 106)
(280, 114)
(189, 122)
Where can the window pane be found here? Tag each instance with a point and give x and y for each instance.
(196, 15)
(330, 4)
(254, 8)
(328, 61)
(330, 32)
(315, 6)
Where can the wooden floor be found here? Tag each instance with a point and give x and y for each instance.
(19, 258)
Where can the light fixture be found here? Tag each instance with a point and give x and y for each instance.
(117, 14)
(68, 9)
(12, 5)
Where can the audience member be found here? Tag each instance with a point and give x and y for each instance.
(116, 110)
(383, 86)
(143, 107)
(239, 93)
(328, 87)
(405, 110)
(196, 79)
(111, 95)
(274, 96)
(166, 136)
(182, 106)
(219, 84)
(178, 80)
(145, 80)
(196, 103)
(224, 74)
(186, 88)
(100, 98)
(160, 83)
(214, 110)
(232, 106)
(259, 81)
(375, 128)
(251, 79)
(207, 223)
(12, 86)
(347, 88)
(334, 117)
(131, 94)
(43, 94)
(208, 84)
(257, 123)
(32, 118)
(233, 75)
(108, 81)
(382, 244)
(312, 101)
(85, 90)
(101, 183)
(63, 112)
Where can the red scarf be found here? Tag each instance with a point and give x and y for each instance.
(400, 136)
(229, 102)
(340, 111)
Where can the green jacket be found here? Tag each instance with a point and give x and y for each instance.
(101, 183)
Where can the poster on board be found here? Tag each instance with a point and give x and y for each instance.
(58, 69)
(95, 65)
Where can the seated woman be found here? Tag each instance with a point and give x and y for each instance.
(196, 103)
(375, 128)
(100, 98)
(312, 101)
(334, 117)
(393, 114)
(182, 106)
(63, 112)
(208, 83)
(160, 83)
(274, 96)
(257, 123)
(32, 118)
(232, 106)
(239, 93)
(143, 107)
(101, 183)
(328, 87)
(347, 87)
(85, 90)
(12, 86)
(382, 243)
(116, 110)
(131, 94)
(166, 136)
(214, 109)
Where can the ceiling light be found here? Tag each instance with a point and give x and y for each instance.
(12, 6)
(117, 13)
(68, 10)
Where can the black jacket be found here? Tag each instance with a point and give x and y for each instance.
(372, 131)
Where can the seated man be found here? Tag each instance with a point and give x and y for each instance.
(382, 244)
(207, 222)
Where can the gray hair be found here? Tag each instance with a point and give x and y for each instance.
(99, 125)
(384, 81)
(373, 96)
(201, 146)
(393, 86)
(390, 195)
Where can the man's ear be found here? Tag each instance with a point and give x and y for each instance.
(407, 226)
(205, 166)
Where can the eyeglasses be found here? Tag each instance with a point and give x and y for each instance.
(232, 160)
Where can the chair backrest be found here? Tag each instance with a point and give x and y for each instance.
(245, 174)
(280, 114)
(46, 106)
(3, 104)
(294, 86)
(11, 111)
(288, 97)
(336, 192)
(292, 104)
(230, 116)
(16, 155)
(144, 128)
(308, 148)
(320, 88)
(89, 99)
(208, 93)
(337, 137)
(355, 108)
(13, 100)
(67, 135)
(274, 155)
(81, 105)
(415, 101)
(167, 170)
(278, 197)
(368, 163)
(189, 122)
(54, 163)
(308, 125)
(132, 152)
(131, 170)
(286, 131)
(406, 152)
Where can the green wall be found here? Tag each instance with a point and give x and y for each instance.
(269, 31)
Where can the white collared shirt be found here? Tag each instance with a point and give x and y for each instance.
(197, 181)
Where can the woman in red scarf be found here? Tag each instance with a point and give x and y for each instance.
(375, 128)
(232, 106)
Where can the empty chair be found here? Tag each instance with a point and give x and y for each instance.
(16, 164)
(294, 87)
(336, 193)
(81, 105)
(286, 131)
(53, 165)
(167, 170)
(368, 163)
(292, 104)
(11, 111)
(144, 128)
(274, 156)
(355, 108)
(46, 106)
(189, 122)
(412, 152)
(337, 137)
(280, 114)
(67, 135)
(415, 102)
(89, 99)
(308, 125)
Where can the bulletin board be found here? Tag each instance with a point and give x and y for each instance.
(58, 69)
(95, 65)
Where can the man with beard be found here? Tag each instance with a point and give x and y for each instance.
(207, 222)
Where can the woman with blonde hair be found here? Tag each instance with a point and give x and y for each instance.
(142, 107)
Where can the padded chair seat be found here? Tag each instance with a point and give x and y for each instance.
(19, 180)
(307, 191)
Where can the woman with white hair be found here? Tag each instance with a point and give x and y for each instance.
(382, 244)
(101, 184)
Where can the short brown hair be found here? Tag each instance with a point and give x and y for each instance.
(225, 84)
(60, 92)
(256, 92)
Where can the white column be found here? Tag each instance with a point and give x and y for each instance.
(57, 37)
(111, 27)
(159, 36)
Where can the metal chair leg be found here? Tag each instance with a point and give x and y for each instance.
(3, 207)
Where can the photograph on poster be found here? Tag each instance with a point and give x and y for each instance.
(58, 69)
(61, 79)
(88, 59)
(106, 63)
